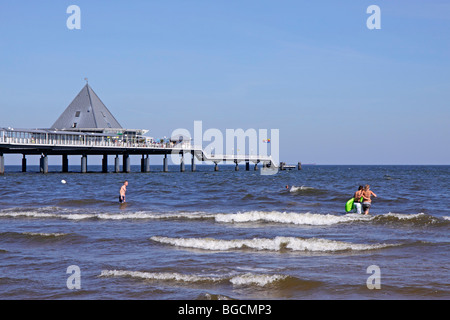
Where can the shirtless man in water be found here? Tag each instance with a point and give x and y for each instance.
(122, 192)
(367, 201)
(358, 195)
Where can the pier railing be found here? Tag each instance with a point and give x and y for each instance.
(236, 157)
(38, 138)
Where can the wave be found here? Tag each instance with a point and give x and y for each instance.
(317, 219)
(44, 215)
(45, 235)
(277, 244)
(301, 188)
(32, 234)
(418, 219)
(36, 236)
(289, 218)
(102, 216)
(306, 190)
(246, 279)
(310, 219)
(164, 276)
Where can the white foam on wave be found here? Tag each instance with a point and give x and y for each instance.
(103, 216)
(265, 244)
(148, 215)
(44, 234)
(31, 214)
(236, 280)
(301, 188)
(402, 216)
(159, 276)
(290, 218)
(260, 280)
(420, 218)
(35, 214)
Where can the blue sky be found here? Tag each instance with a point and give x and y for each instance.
(339, 92)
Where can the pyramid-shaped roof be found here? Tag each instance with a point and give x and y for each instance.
(86, 111)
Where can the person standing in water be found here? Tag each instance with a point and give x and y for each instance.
(123, 191)
(358, 203)
(367, 201)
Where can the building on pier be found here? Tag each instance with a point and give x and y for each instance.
(88, 114)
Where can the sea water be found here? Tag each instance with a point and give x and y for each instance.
(225, 234)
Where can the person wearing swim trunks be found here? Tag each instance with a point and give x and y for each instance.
(358, 195)
(122, 192)
(367, 201)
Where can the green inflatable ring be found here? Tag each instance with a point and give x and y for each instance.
(350, 205)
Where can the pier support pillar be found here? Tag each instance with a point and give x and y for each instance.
(143, 163)
(83, 163)
(65, 163)
(116, 164)
(24, 163)
(247, 166)
(256, 166)
(236, 168)
(2, 164)
(182, 166)
(193, 168)
(126, 166)
(147, 164)
(44, 163)
(216, 166)
(105, 163)
(165, 164)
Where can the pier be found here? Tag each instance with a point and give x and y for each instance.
(51, 142)
(88, 128)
